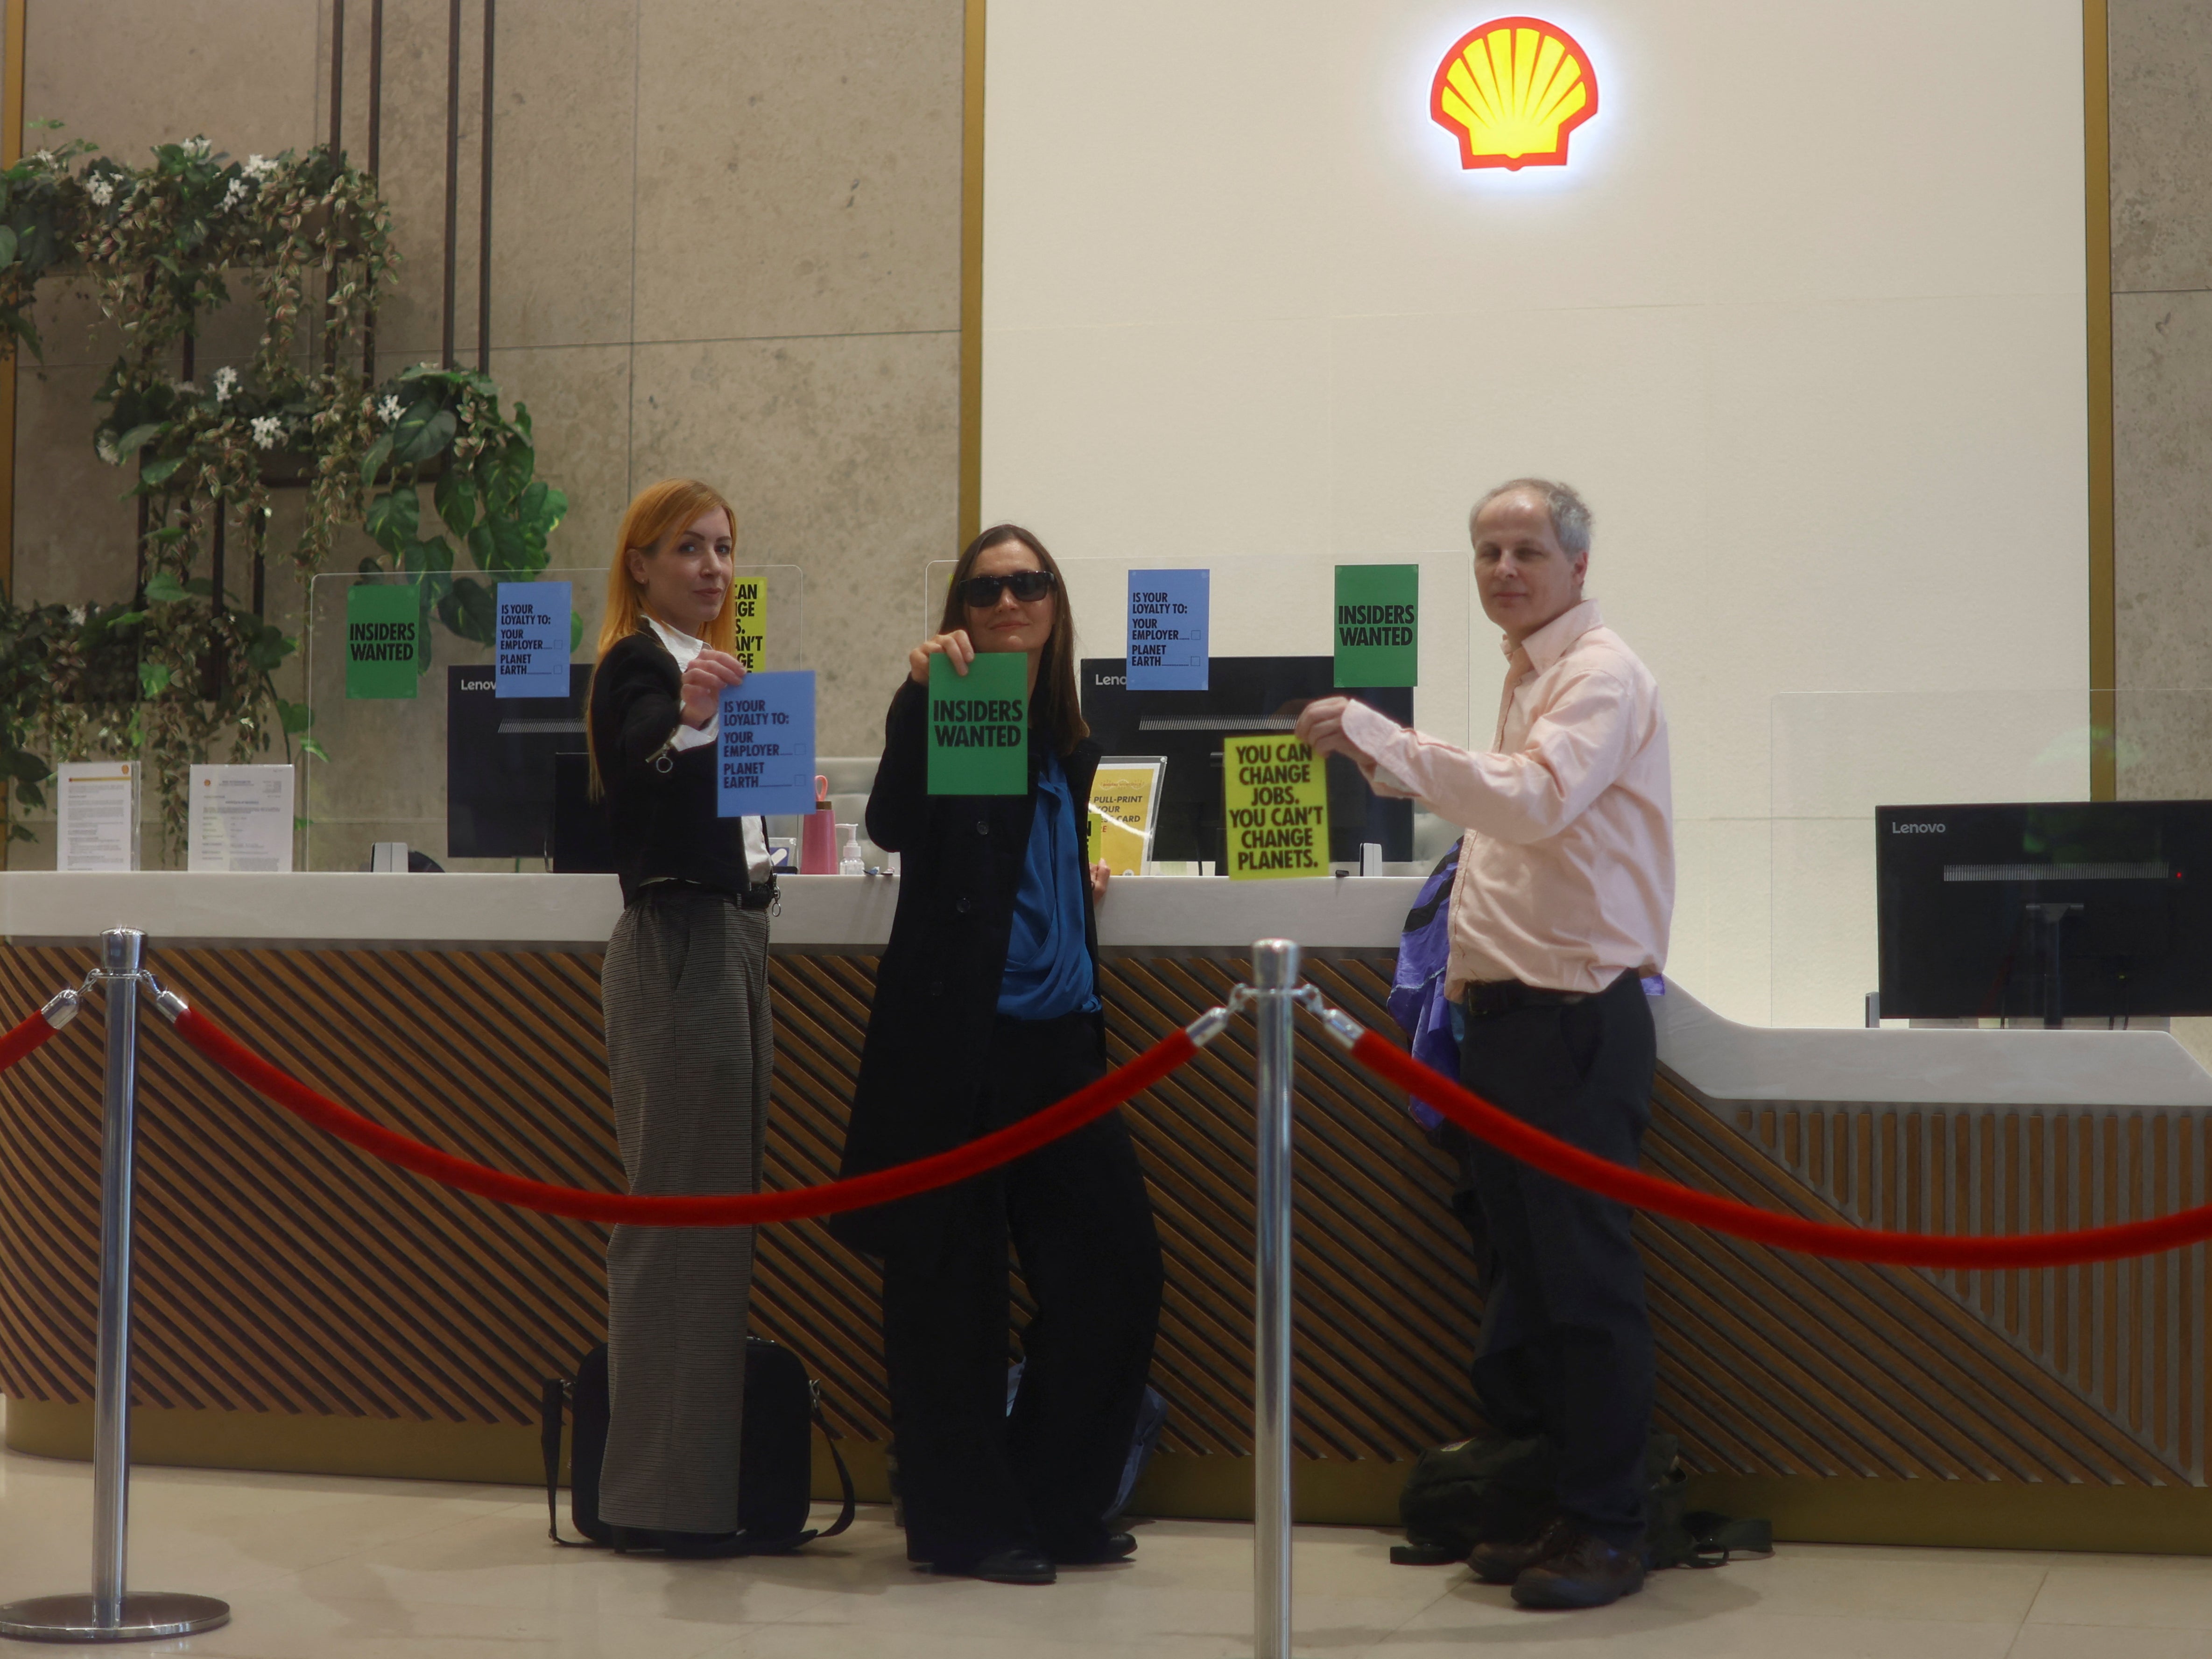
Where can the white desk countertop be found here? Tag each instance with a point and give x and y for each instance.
(1722, 1059)
(330, 909)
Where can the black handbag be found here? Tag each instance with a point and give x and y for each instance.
(776, 1485)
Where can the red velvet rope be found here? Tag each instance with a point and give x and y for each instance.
(714, 1210)
(1649, 1192)
(27, 1037)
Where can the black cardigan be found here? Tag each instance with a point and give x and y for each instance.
(937, 988)
(660, 811)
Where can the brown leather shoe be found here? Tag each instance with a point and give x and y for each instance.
(1586, 1572)
(1502, 1560)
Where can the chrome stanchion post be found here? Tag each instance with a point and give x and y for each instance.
(111, 1613)
(1274, 977)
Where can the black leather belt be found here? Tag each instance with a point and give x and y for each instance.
(755, 897)
(1487, 999)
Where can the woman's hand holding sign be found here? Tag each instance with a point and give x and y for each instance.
(710, 670)
(955, 645)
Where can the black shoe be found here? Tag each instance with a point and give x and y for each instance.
(1588, 1573)
(1502, 1560)
(1015, 1565)
(1117, 1547)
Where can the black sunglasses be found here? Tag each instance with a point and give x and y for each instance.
(981, 593)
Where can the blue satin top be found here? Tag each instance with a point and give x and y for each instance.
(1048, 970)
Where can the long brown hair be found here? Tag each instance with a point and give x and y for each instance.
(1054, 702)
(658, 511)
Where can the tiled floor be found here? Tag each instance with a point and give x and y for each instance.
(329, 1569)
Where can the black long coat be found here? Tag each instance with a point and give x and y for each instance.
(937, 991)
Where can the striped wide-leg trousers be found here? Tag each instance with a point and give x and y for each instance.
(684, 990)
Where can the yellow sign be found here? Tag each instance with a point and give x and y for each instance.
(1125, 797)
(1511, 91)
(751, 602)
(1277, 792)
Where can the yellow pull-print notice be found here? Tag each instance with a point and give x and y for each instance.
(1277, 792)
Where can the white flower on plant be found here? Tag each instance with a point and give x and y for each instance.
(197, 146)
(188, 388)
(104, 445)
(77, 613)
(259, 167)
(233, 195)
(44, 158)
(267, 429)
(101, 190)
(226, 382)
(389, 410)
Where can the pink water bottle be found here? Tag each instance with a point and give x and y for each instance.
(817, 834)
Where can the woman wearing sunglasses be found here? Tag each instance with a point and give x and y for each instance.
(986, 1008)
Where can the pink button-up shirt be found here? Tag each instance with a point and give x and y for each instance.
(1566, 875)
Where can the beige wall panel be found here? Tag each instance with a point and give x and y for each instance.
(74, 537)
(579, 402)
(131, 74)
(563, 162)
(2162, 446)
(411, 170)
(2161, 137)
(840, 455)
(798, 167)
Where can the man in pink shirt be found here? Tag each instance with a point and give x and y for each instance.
(1560, 908)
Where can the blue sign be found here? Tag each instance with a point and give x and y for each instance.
(532, 652)
(1168, 630)
(764, 747)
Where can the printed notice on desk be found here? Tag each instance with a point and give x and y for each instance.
(240, 819)
(764, 748)
(532, 654)
(1168, 630)
(1277, 808)
(98, 808)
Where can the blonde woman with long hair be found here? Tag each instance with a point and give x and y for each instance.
(684, 989)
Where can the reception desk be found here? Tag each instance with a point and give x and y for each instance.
(301, 1306)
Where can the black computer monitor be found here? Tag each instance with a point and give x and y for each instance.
(1248, 695)
(499, 763)
(2077, 909)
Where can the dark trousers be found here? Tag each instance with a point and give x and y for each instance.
(1565, 1348)
(973, 1478)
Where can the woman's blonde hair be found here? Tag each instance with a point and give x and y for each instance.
(658, 511)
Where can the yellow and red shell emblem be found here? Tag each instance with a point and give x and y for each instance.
(1511, 91)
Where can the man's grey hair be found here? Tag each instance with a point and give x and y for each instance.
(1570, 514)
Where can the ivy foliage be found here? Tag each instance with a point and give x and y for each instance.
(160, 247)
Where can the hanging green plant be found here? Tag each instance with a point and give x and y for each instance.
(184, 670)
(485, 494)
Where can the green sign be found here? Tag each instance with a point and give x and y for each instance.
(979, 726)
(383, 631)
(1276, 792)
(1378, 624)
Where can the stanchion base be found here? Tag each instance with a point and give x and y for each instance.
(148, 1615)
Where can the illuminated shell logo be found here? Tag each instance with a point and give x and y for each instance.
(1511, 91)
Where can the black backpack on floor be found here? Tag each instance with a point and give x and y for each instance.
(1459, 1495)
(776, 1482)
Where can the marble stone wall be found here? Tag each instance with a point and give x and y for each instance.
(726, 242)
(2162, 174)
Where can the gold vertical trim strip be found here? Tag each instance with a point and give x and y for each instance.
(2097, 177)
(11, 151)
(971, 274)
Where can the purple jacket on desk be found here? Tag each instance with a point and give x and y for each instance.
(1417, 989)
